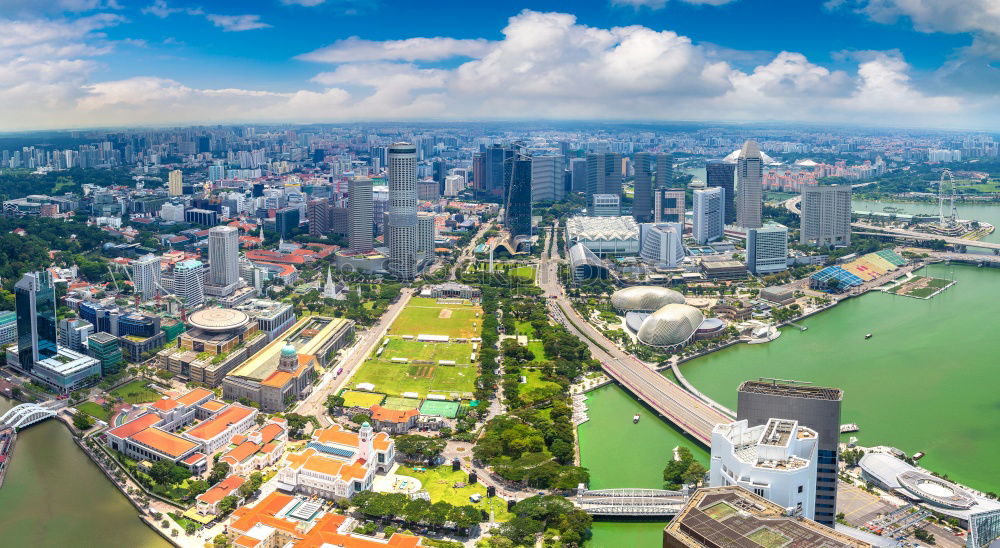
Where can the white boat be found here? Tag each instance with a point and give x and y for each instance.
(635, 419)
(868, 336)
(850, 427)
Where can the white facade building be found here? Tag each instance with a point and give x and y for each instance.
(453, 185)
(708, 224)
(826, 215)
(662, 243)
(606, 205)
(767, 249)
(172, 212)
(604, 235)
(749, 186)
(224, 255)
(402, 229)
(360, 214)
(426, 233)
(547, 178)
(146, 276)
(776, 460)
(189, 282)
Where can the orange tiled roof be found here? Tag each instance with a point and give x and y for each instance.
(137, 425)
(218, 424)
(194, 457)
(270, 431)
(325, 533)
(380, 413)
(336, 434)
(245, 517)
(355, 470)
(213, 405)
(241, 452)
(222, 489)
(164, 442)
(381, 442)
(246, 541)
(277, 379)
(269, 447)
(194, 396)
(238, 439)
(165, 404)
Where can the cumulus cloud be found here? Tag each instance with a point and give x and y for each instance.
(659, 4)
(356, 49)
(306, 3)
(161, 9)
(237, 23)
(545, 66)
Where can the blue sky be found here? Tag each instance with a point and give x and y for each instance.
(72, 63)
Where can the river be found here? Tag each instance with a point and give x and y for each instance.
(55, 496)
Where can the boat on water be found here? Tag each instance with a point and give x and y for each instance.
(849, 427)
(635, 419)
(868, 336)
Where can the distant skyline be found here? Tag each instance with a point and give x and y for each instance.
(99, 63)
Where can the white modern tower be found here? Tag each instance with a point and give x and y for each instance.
(826, 215)
(776, 460)
(749, 185)
(767, 249)
(146, 276)
(224, 255)
(402, 225)
(708, 224)
(189, 282)
(547, 184)
(361, 214)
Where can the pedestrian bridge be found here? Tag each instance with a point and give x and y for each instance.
(631, 502)
(24, 415)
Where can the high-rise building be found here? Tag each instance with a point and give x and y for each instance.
(73, 333)
(708, 223)
(749, 186)
(318, 214)
(361, 214)
(8, 327)
(605, 205)
(488, 170)
(767, 249)
(286, 220)
(604, 174)
(216, 173)
(775, 460)
(189, 282)
(428, 190)
(664, 170)
(35, 304)
(668, 205)
(224, 255)
(517, 206)
(642, 197)
(402, 229)
(547, 178)
(453, 185)
(426, 233)
(662, 244)
(146, 276)
(814, 407)
(826, 215)
(104, 347)
(578, 174)
(723, 175)
(175, 183)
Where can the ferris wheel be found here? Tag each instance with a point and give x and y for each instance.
(947, 182)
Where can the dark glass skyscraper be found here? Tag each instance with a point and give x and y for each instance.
(723, 175)
(642, 202)
(35, 303)
(517, 204)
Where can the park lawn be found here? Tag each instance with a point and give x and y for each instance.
(423, 318)
(416, 350)
(525, 328)
(136, 391)
(94, 410)
(526, 272)
(538, 349)
(536, 389)
(396, 378)
(400, 404)
(439, 483)
(361, 399)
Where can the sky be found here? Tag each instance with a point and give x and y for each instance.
(104, 63)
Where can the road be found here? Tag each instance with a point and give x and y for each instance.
(315, 403)
(469, 249)
(669, 400)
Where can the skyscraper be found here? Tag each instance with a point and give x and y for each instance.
(517, 206)
(35, 305)
(426, 232)
(318, 214)
(668, 205)
(578, 174)
(146, 276)
(175, 183)
(813, 407)
(767, 249)
(604, 175)
(708, 223)
(664, 170)
(749, 185)
(286, 219)
(723, 174)
(189, 282)
(826, 215)
(642, 200)
(361, 214)
(224, 255)
(402, 229)
(547, 178)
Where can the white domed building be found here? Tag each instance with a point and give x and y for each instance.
(644, 298)
(671, 326)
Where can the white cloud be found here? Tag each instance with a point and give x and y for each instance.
(660, 4)
(306, 3)
(356, 49)
(237, 23)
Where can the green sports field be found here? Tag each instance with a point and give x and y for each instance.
(400, 404)
(396, 378)
(423, 316)
(361, 399)
(414, 350)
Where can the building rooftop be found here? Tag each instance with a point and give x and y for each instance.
(732, 517)
(221, 490)
(218, 319)
(136, 425)
(194, 396)
(164, 442)
(308, 335)
(791, 390)
(216, 425)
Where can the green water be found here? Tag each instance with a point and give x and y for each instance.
(54, 496)
(926, 381)
(979, 212)
(621, 454)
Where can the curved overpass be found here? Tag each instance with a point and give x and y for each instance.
(671, 401)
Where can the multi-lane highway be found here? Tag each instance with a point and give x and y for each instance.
(668, 399)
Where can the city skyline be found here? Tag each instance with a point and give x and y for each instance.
(94, 63)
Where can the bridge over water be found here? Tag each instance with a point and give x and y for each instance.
(630, 502)
(24, 415)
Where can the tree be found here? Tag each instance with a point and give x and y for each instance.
(682, 471)
(333, 401)
(179, 473)
(160, 472)
(219, 472)
(417, 447)
(82, 421)
(220, 541)
(197, 487)
(190, 528)
(227, 505)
